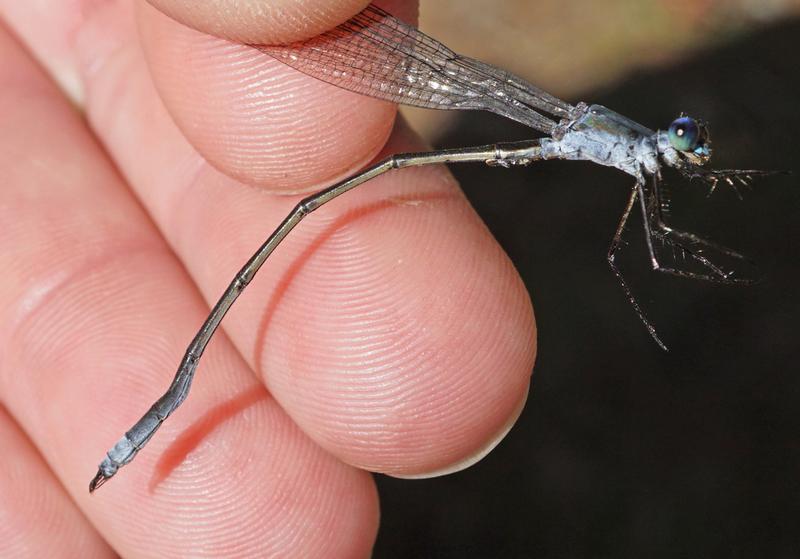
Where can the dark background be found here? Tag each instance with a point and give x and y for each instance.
(624, 450)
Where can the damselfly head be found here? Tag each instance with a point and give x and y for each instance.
(691, 138)
(690, 145)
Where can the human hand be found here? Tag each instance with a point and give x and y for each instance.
(388, 333)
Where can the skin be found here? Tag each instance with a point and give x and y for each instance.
(389, 333)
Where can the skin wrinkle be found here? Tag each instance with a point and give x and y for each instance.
(41, 293)
(56, 281)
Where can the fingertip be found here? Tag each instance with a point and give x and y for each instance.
(481, 452)
(429, 367)
(255, 119)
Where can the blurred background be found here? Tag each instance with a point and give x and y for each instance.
(624, 450)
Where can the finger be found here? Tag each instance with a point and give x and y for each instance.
(39, 520)
(390, 325)
(254, 118)
(94, 313)
(255, 21)
(223, 113)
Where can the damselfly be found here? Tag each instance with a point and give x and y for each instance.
(378, 55)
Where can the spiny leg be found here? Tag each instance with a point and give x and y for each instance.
(732, 177)
(506, 155)
(658, 224)
(636, 192)
(688, 237)
(656, 228)
(718, 274)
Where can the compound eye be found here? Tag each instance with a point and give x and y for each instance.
(684, 134)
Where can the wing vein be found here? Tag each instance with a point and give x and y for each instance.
(376, 54)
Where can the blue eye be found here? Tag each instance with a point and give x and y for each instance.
(685, 134)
